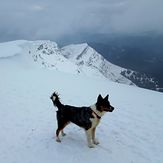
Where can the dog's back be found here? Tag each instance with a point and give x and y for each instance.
(78, 115)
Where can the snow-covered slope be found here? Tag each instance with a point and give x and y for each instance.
(10, 49)
(130, 134)
(48, 55)
(75, 59)
(86, 57)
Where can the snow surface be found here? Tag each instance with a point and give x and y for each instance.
(132, 133)
(11, 48)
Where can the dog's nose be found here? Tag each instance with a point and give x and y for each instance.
(112, 108)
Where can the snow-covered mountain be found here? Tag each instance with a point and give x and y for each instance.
(87, 58)
(78, 59)
(75, 59)
(132, 133)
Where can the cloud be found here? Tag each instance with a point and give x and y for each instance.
(37, 8)
(51, 19)
(140, 16)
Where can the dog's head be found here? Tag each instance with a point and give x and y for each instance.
(103, 104)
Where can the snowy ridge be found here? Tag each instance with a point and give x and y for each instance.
(85, 56)
(75, 59)
(47, 54)
(9, 49)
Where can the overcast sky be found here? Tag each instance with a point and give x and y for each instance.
(51, 19)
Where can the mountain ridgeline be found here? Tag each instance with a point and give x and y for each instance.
(141, 53)
(78, 59)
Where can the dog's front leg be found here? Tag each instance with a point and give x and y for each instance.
(89, 138)
(62, 132)
(95, 141)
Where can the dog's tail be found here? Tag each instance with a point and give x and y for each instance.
(56, 100)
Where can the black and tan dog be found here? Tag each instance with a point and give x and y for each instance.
(85, 117)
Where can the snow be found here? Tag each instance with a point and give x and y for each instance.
(14, 48)
(74, 50)
(132, 133)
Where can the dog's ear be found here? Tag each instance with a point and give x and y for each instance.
(99, 98)
(106, 98)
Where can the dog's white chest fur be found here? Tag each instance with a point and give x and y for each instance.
(95, 121)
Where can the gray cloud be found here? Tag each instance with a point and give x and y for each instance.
(51, 19)
(139, 16)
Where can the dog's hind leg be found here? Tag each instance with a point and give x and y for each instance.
(61, 126)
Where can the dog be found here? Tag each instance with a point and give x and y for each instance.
(86, 117)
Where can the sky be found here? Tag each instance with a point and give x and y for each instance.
(52, 19)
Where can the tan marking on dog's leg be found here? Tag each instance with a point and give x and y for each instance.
(60, 129)
(62, 132)
(89, 138)
(95, 141)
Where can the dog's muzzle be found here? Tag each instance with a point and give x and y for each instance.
(111, 108)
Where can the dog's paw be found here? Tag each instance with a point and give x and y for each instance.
(58, 140)
(91, 146)
(96, 142)
(63, 134)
